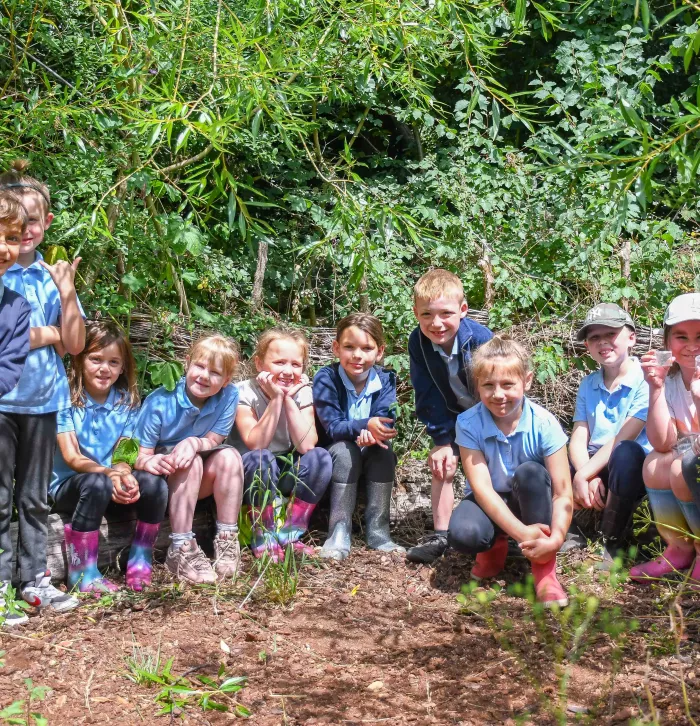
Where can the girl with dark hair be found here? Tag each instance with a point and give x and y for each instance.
(354, 399)
(87, 481)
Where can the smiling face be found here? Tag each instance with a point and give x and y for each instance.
(101, 369)
(439, 319)
(10, 242)
(683, 340)
(357, 352)
(284, 358)
(39, 221)
(502, 389)
(609, 346)
(204, 378)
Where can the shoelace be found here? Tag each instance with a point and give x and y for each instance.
(198, 560)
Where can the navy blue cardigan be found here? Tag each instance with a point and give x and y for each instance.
(436, 403)
(14, 338)
(331, 399)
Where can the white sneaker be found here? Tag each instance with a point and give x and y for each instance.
(41, 594)
(10, 618)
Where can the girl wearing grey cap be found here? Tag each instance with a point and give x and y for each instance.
(671, 470)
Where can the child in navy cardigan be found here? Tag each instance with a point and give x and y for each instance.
(353, 400)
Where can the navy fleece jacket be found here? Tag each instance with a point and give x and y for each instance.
(14, 337)
(331, 400)
(436, 403)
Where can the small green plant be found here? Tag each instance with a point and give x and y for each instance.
(561, 636)
(178, 693)
(19, 713)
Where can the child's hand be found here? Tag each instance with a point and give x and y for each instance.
(63, 274)
(268, 384)
(541, 548)
(442, 462)
(365, 439)
(582, 495)
(126, 491)
(159, 464)
(182, 456)
(597, 492)
(654, 374)
(379, 431)
(303, 381)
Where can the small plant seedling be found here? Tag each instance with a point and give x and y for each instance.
(178, 693)
(19, 713)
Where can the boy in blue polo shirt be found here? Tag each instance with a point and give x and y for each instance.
(609, 441)
(14, 329)
(28, 412)
(181, 435)
(440, 351)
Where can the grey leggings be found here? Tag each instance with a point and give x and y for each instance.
(691, 474)
(350, 462)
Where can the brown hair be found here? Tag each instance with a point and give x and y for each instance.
(438, 283)
(211, 346)
(282, 333)
(497, 350)
(20, 183)
(11, 209)
(98, 336)
(366, 323)
(675, 368)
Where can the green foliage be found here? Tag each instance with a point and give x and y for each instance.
(19, 713)
(127, 452)
(178, 693)
(219, 164)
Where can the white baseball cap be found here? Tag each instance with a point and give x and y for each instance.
(683, 308)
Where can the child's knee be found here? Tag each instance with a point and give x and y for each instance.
(467, 536)
(532, 477)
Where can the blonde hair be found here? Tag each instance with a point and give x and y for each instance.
(501, 350)
(11, 209)
(366, 323)
(281, 333)
(438, 283)
(211, 347)
(15, 180)
(100, 335)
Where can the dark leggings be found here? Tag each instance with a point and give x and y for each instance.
(691, 474)
(530, 500)
(307, 475)
(89, 496)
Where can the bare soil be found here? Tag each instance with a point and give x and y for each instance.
(371, 640)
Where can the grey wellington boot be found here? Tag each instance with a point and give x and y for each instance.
(377, 517)
(343, 498)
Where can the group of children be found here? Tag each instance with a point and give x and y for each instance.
(267, 448)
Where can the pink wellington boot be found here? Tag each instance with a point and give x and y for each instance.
(490, 563)
(547, 588)
(295, 524)
(82, 549)
(264, 539)
(673, 560)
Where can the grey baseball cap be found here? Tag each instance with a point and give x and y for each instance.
(682, 308)
(609, 314)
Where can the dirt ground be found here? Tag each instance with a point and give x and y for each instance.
(371, 640)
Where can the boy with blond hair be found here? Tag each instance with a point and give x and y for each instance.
(440, 350)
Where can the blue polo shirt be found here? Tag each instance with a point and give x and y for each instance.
(605, 411)
(98, 428)
(43, 386)
(167, 418)
(359, 404)
(537, 436)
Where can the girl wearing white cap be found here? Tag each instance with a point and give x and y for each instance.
(673, 428)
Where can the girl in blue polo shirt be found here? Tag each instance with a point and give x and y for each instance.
(515, 462)
(181, 435)
(354, 400)
(86, 483)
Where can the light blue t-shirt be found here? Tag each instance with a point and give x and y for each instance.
(537, 436)
(605, 411)
(167, 418)
(98, 428)
(43, 386)
(359, 405)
